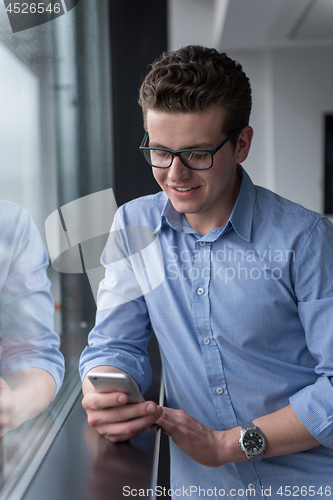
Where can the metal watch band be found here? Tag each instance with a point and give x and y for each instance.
(248, 426)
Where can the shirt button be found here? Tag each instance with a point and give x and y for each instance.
(200, 291)
(206, 341)
(202, 243)
(251, 486)
(219, 390)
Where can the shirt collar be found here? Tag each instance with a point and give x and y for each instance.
(170, 216)
(241, 216)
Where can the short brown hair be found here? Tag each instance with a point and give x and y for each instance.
(195, 78)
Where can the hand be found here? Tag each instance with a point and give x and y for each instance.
(23, 396)
(113, 418)
(202, 444)
(8, 404)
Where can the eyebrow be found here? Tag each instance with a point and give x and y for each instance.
(203, 145)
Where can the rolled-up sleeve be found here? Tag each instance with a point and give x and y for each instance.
(314, 288)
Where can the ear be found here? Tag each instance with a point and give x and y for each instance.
(243, 144)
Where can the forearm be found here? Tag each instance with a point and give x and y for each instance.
(283, 430)
(33, 391)
(284, 433)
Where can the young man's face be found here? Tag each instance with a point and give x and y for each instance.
(212, 193)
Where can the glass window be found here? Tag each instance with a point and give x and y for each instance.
(56, 148)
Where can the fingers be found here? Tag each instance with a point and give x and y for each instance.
(170, 422)
(123, 413)
(113, 418)
(123, 431)
(194, 438)
(116, 404)
(94, 400)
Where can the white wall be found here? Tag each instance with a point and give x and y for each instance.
(190, 21)
(292, 91)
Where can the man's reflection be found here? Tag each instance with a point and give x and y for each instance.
(32, 368)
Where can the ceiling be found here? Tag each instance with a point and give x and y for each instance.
(253, 24)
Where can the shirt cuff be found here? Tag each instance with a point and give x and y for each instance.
(313, 406)
(56, 370)
(140, 370)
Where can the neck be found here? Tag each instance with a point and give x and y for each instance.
(206, 221)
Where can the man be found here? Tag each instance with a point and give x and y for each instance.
(244, 314)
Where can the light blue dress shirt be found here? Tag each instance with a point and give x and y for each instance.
(27, 334)
(244, 321)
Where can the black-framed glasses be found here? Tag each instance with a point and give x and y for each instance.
(195, 159)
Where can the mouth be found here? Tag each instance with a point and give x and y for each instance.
(183, 193)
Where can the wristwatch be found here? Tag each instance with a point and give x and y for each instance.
(252, 442)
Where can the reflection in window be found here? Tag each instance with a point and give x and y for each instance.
(55, 142)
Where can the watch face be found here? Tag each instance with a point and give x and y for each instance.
(253, 442)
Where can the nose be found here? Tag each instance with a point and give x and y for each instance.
(178, 171)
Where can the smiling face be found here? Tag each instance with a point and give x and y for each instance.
(206, 197)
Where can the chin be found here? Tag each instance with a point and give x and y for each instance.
(180, 207)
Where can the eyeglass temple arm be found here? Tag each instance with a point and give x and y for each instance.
(143, 140)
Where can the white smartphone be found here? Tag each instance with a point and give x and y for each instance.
(116, 382)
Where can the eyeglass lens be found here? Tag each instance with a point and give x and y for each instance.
(194, 159)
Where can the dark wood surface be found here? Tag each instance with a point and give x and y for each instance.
(82, 465)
